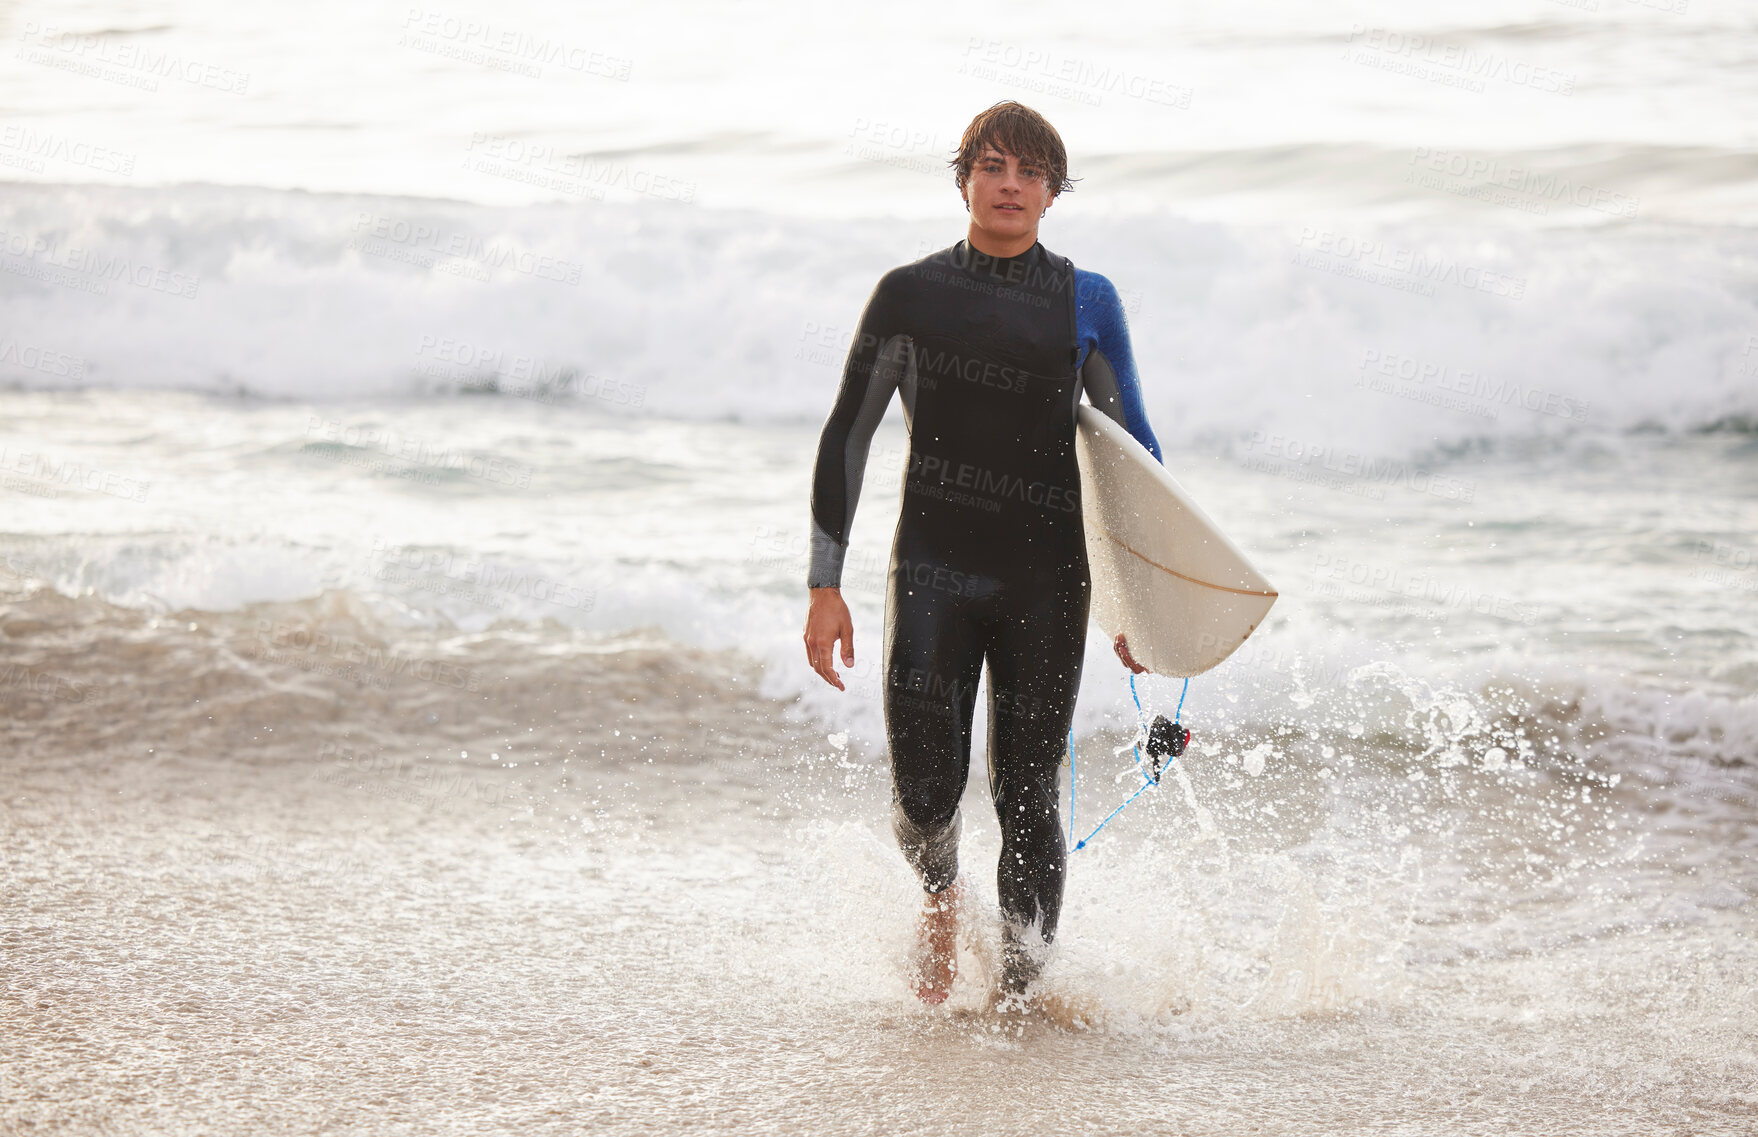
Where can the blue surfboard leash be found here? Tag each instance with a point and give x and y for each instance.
(1147, 781)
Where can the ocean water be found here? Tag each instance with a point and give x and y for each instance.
(405, 437)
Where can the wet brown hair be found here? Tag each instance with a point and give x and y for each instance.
(1014, 128)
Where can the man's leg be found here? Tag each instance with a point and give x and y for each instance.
(933, 659)
(1035, 660)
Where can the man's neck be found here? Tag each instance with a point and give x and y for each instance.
(992, 246)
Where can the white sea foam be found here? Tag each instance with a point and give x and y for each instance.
(1314, 347)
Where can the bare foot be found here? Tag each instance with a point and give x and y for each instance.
(937, 945)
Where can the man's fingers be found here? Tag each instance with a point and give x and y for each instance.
(1122, 647)
(828, 670)
(825, 625)
(820, 655)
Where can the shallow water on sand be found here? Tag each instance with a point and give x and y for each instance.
(480, 927)
(377, 849)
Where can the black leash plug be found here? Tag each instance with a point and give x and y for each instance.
(1165, 739)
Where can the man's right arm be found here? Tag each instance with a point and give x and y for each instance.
(877, 357)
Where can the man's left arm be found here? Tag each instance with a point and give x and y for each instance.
(1107, 371)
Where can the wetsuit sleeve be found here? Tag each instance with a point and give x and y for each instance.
(1107, 368)
(877, 356)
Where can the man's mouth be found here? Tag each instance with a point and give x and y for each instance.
(1009, 205)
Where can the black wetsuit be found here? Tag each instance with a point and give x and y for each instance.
(989, 561)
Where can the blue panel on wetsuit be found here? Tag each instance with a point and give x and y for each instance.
(1102, 331)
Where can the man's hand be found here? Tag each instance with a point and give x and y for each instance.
(1122, 647)
(827, 621)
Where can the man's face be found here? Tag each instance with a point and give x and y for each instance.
(1006, 196)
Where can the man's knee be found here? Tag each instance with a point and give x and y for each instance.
(1028, 807)
(928, 804)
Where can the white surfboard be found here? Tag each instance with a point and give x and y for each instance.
(1163, 575)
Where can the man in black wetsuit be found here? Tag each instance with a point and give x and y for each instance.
(989, 344)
